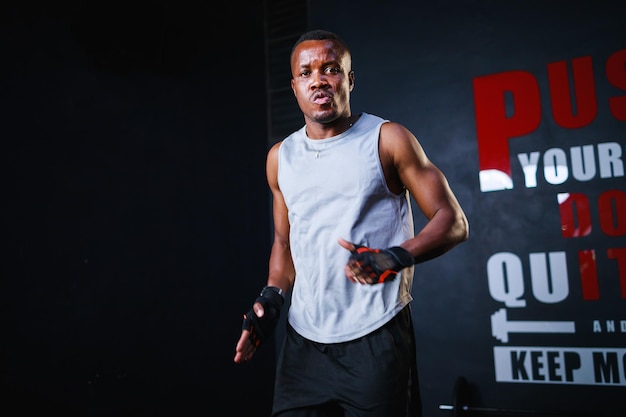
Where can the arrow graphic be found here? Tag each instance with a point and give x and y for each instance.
(501, 327)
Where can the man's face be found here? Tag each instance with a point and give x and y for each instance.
(322, 80)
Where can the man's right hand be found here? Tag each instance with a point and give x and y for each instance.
(259, 323)
(245, 349)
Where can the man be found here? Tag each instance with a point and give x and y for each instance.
(344, 246)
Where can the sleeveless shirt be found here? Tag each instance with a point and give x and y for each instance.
(334, 188)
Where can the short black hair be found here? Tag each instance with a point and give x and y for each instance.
(320, 35)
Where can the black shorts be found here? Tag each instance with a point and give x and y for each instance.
(372, 376)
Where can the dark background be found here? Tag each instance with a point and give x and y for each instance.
(136, 217)
(135, 210)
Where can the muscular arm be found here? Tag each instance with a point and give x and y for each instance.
(281, 269)
(406, 165)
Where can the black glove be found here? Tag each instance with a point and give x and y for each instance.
(261, 328)
(381, 265)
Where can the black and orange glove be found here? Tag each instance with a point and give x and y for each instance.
(260, 328)
(381, 265)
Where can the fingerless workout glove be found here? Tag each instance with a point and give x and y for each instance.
(381, 265)
(261, 328)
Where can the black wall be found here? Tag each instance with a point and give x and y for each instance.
(135, 212)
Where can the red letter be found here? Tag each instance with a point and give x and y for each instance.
(578, 204)
(588, 274)
(494, 128)
(586, 105)
(612, 216)
(619, 254)
(616, 74)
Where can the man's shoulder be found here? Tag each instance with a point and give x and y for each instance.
(369, 120)
(295, 135)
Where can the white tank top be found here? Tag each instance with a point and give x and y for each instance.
(335, 188)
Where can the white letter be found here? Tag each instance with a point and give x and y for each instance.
(609, 155)
(555, 166)
(529, 168)
(555, 287)
(506, 279)
(583, 163)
